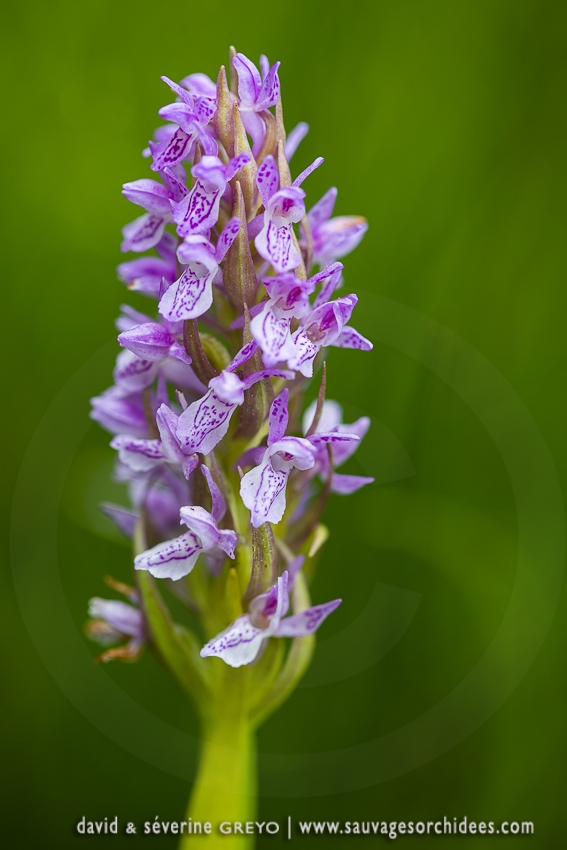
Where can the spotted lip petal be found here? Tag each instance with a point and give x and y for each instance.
(172, 558)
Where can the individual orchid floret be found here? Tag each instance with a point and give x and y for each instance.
(331, 422)
(176, 558)
(324, 326)
(242, 641)
(112, 621)
(205, 422)
(256, 95)
(333, 237)
(156, 198)
(153, 341)
(283, 208)
(145, 274)
(198, 212)
(120, 413)
(263, 488)
(289, 299)
(191, 115)
(192, 294)
(143, 455)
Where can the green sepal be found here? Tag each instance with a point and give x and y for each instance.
(264, 562)
(200, 363)
(239, 273)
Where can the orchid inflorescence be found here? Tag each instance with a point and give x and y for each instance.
(207, 403)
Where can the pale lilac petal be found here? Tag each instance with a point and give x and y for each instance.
(333, 437)
(180, 114)
(330, 277)
(227, 541)
(145, 273)
(307, 622)
(228, 387)
(269, 93)
(150, 195)
(138, 455)
(175, 183)
(331, 417)
(307, 171)
(275, 245)
(323, 209)
(204, 424)
(143, 233)
(177, 351)
(293, 568)
(208, 143)
(278, 417)
(286, 206)
(255, 226)
(263, 492)
(249, 80)
(267, 373)
(227, 237)
(126, 619)
(198, 212)
(204, 109)
(189, 464)
(133, 373)
(211, 173)
(166, 421)
(124, 518)
(200, 84)
(270, 333)
(294, 139)
(218, 504)
(237, 645)
(268, 178)
(201, 523)
(179, 90)
(292, 452)
(347, 484)
(196, 249)
(349, 338)
(251, 457)
(300, 352)
(264, 65)
(243, 356)
(172, 558)
(337, 237)
(150, 341)
(187, 298)
(168, 154)
(119, 414)
(255, 127)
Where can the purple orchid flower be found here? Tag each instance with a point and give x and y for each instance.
(192, 294)
(323, 326)
(263, 488)
(198, 211)
(289, 298)
(331, 422)
(205, 422)
(284, 207)
(157, 199)
(242, 641)
(190, 117)
(257, 94)
(176, 558)
(333, 238)
(120, 413)
(145, 274)
(112, 621)
(143, 455)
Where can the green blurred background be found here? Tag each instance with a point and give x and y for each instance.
(444, 124)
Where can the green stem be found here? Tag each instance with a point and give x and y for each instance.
(225, 787)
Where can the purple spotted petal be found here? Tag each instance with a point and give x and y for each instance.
(167, 154)
(227, 237)
(267, 373)
(337, 237)
(235, 164)
(198, 212)
(269, 93)
(201, 523)
(176, 185)
(278, 417)
(275, 245)
(237, 645)
(307, 622)
(300, 352)
(179, 90)
(133, 373)
(172, 558)
(263, 492)
(228, 387)
(347, 484)
(204, 424)
(189, 297)
(150, 341)
(167, 421)
(143, 233)
(204, 109)
(268, 179)
(349, 338)
(243, 356)
(271, 334)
